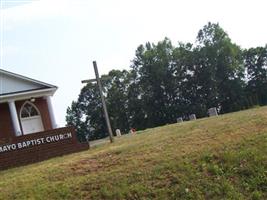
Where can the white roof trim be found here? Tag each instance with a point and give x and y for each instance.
(28, 95)
(26, 78)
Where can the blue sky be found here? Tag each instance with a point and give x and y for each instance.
(55, 41)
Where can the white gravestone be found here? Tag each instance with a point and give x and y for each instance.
(179, 120)
(118, 132)
(192, 117)
(212, 112)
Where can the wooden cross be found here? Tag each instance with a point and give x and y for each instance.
(97, 79)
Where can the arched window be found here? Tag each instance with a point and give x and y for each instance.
(29, 110)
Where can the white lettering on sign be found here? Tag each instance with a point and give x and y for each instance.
(34, 142)
(29, 143)
(8, 147)
(56, 138)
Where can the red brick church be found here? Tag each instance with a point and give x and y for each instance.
(28, 129)
(25, 105)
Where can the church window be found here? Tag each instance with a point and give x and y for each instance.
(29, 110)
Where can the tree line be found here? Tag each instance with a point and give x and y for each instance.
(167, 81)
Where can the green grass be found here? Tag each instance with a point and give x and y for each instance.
(223, 157)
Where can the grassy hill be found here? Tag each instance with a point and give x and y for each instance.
(222, 157)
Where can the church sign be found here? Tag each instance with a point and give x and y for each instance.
(39, 146)
(34, 142)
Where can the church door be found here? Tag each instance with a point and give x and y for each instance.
(31, 120)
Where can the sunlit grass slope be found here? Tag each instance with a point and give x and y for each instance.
(223, 157)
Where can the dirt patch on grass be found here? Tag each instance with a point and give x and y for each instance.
(104, 161)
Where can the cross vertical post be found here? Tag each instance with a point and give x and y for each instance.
(102, 100)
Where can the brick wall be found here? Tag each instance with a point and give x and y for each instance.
(38, 152)
(6, 127)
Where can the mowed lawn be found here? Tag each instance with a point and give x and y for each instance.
(222, 157)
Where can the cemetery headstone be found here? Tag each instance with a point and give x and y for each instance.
(179, 120)
(192, 117)
(212, 112)
(87, 139)
(118, 132)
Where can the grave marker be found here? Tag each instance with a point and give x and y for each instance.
(192, 117)
(212, 112)
(118, 132)
(179, 120)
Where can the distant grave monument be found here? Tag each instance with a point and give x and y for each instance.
(212, 112)
(192, 117)
(179, 120)
(118, 132)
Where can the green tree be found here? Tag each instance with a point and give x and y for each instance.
(220, 70)
(137, 116)
(153, 76)
(116, 84)
(73, 118)
(256, 65)
(86, 114)
(186, 99)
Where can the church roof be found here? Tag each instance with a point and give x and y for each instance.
(18, 87)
